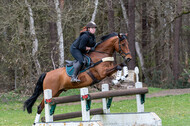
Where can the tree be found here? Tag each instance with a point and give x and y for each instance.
(60, 34)
(177, 29)
(95, 10)
(144, 25)
(124, 13)
(34, 39)
(131, 34)
(111, 24)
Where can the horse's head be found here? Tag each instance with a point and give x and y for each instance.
(114, 42)
(122, 47)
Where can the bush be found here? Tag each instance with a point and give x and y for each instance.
(184, 80)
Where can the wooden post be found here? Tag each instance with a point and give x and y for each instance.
(85, 114)
(137, 74)
(105, 87)
(48, 95)
(140, 107)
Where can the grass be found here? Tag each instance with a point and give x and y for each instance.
(173, 110)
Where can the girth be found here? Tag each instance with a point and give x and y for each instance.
(95, 80)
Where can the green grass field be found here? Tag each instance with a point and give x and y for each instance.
(173, 110)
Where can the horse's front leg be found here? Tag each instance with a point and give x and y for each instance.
(110, 71)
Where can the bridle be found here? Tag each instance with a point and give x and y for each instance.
(121, 52)
(121, 38)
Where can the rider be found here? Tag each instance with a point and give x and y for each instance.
(84, 43)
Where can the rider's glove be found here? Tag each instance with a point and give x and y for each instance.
(92, 49)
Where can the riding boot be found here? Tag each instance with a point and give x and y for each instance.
(77, 68)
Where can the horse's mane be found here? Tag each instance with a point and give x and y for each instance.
(106, 37)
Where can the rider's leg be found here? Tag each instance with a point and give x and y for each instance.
(77, 68)
(79, 57)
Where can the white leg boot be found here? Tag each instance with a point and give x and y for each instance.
(125, 73)
(118, 77)
(37, 119)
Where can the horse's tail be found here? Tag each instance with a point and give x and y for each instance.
(37, 91)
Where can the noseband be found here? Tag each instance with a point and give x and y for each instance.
(121, 38)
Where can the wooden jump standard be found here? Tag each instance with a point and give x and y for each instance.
(99, 95)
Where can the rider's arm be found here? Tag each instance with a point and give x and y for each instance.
(83, 41)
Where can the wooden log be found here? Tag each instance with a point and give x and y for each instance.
(99, 95)
(66, 99)
(74, 115)
(117, 93)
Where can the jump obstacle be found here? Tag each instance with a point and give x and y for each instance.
(102, 116)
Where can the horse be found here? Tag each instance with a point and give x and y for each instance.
(58, 81)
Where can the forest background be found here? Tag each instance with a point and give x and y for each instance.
(35, 37)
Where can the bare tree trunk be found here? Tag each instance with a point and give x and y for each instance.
(111, 25)
(176, 43)
(140, 55)
(52, 60)
(53, 37)
(110, 16)
(186, 32)
(124, 13)
(144, 25)
(60, 33)
(53, 45)
(95, 11)
(34, 39)
(131, 35)
(15, 83)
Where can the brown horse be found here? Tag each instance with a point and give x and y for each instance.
(59, 81)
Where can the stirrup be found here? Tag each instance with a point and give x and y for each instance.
(74, 80)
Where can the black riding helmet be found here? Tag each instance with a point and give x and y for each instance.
(91, 25)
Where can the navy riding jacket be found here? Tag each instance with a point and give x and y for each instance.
(78, 48)
(86, 39)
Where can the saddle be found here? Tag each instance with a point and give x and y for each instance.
(71, 65)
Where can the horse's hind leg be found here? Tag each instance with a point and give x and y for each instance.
(41, 107)
(53, 106)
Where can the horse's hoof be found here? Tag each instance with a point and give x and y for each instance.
(115, 82)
